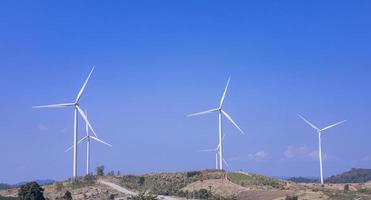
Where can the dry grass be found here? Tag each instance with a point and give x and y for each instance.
(219, 187)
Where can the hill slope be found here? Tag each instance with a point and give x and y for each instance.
(352, 176)
(207, 184)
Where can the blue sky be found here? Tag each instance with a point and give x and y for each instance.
(157, 61)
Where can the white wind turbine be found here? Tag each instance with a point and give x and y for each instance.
(216, 151)
(87, 138)
(220, 112)
(319, 131)
(77, 109)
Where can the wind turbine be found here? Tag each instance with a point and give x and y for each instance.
(216, 151)
(220, 112)
(87, 138)
(77, 110)
(319, 131)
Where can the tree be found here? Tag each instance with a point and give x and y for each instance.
(111, 173)
(67, 195)
(112, 196)
(346, 187)
(143, 196)
(100, 170)
(31, 191)
(291, 198)
(141, 181)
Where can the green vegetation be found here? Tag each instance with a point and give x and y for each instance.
(254, 179)
(99, 170)
(8, 198)
(143, 196)
(167, 183)
(172, 183)
(291, 198)
(84, 181)
(67, 195)
(352, 176)
(31, 191)
(203, 194)
(303, 180)
(216, 197)
(346, 188)
(193, 173)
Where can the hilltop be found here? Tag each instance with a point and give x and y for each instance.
(206, 184)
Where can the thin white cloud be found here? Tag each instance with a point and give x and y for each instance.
(293, 152)
(258, 156)
(43, 127)
(302, 152)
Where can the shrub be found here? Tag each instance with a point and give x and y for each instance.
(8, 198)
(193, 173)
(111, 173)
(141, 181)
(112, 196)
(346, 187)
(143, 196)
(202, 194)
(291, 198)
(89, 179)
(217, 197)
(100, 170)
(31, 191)
(67, 195)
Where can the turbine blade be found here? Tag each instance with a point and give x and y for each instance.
(203, 112)
(225, 91)
(86, 119)
(55, 105)
(225, 162)
(71, 147)
(310, 124)
(328, 127)
(231, 120)
(101, 141)
(83, 86)
(82, 139)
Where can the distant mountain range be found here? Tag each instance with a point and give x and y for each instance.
(4, 186)
(355, 175)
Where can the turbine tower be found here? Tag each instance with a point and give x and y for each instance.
(77, 110)
(319, 131)
(220, 112)
(87, 138)
(216, 151)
